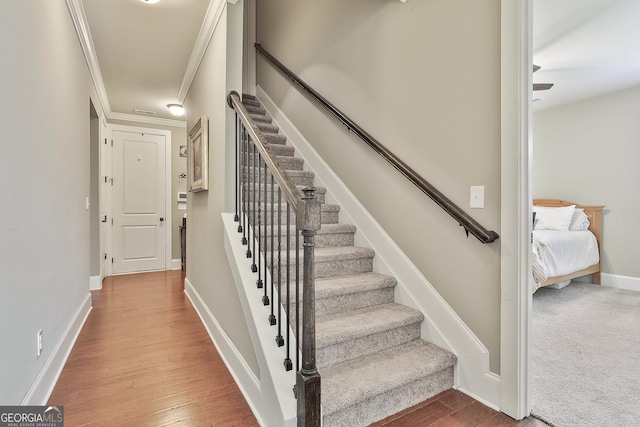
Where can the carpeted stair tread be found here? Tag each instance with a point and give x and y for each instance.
(355, 324)
(325, 229)
(353, 382)
(255, 109)
(267, 127)
(261, 118)
(340, 253)
(343, 285)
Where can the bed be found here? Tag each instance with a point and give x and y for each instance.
(564, 250)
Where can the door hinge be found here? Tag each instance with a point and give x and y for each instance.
(111, 221)
(111, 260)
(105, 256)
(105, 179)
(112, 182)
(112, 142)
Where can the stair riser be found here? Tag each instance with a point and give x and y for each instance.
(326, 217)
(321, 240)
(344, 303)
(267, 127)
(261, 118)
(277, 149)
(391, 402)
(274, 196)
(297, 178)
(287, 162)
(254, 109)
(369, 344)
(324, 269)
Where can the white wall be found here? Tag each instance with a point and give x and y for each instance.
(44, 167)
(588, 152)
(207, 265)
(424, 79)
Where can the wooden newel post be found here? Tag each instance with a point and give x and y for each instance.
(308, 378)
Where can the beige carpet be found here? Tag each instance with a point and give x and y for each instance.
(586, 356)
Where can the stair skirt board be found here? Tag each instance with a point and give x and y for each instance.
(442, 326)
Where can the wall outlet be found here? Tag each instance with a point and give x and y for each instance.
(40, 342)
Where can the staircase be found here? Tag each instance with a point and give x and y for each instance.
(370, 356)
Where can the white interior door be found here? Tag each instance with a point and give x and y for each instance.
(139, 205)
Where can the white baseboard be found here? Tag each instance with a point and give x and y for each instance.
(95, 283)
(442, 325)
(46, 380)
(620, 282)
(244, 377)
(176, 264)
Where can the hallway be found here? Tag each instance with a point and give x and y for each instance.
(144, 358)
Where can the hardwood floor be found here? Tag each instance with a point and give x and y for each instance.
(453, 408)
(144, 358)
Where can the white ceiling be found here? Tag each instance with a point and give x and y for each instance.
(585, 47)
(143, 50)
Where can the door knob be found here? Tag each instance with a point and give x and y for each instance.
(161, 219)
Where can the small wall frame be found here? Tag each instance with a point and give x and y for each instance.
(198, 156)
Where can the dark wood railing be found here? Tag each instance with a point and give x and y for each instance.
(260, 184)
(470, 225)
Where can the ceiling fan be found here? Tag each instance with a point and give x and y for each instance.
(540, 86)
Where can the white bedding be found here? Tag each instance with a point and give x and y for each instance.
(556, 253)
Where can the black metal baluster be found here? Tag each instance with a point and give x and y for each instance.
(256, 157)
(298, 295)
(260, 214)
(279, 339)
(287, 361)
(265, 299)
(251, 224)
(266, 227)
(245, 160)
(236, 218)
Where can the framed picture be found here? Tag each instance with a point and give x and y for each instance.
(198, 155)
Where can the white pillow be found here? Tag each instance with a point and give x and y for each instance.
(580, 221)
(548, 218)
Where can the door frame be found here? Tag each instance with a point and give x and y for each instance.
(516, 198)
(168, 211)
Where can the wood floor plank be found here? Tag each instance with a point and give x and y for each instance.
(144, 358)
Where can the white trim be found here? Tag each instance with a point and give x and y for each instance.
(44, 383)
(168, 191)
(158, 121)
(76, 10)
(84, 35)
(515, 246)
(209, 24)
(95, 283)
(176, 264)
(442, 325)
(621, 282)
(275, 403)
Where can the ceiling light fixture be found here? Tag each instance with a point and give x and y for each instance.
(150, 1)
(176, 109)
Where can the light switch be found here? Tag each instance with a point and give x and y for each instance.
(476, 197)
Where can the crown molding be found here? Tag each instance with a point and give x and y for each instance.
(211, 19)
(79, 18)
(148, 120)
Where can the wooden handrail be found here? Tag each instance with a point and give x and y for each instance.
(283, 180)
(470, 225)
